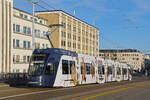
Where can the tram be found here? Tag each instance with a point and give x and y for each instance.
(55, 67)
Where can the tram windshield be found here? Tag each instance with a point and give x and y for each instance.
(36, 66)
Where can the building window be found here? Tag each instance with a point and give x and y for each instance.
(63, 43)
(43, 45)
(29, 44)
(17, 28)
(14, 60)
(14, 43)
(28, 30)
(17, 44)
(21, 15)
(74, 37)
(74, 45)
(24, 29)
(24, 59)
(14, 28)
(35, 20)
(24, 44)
(28, 59)
(41, 22)
(25, 16)
(46, 45)
(17, 58)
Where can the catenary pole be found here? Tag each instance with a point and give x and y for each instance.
(33, 21)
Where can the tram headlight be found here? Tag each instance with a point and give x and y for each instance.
(40, 78)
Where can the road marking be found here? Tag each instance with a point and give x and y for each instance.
(116, 90)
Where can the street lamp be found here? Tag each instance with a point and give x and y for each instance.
(33, 17)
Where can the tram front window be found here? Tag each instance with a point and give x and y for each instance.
(37, 64)
(36, 69)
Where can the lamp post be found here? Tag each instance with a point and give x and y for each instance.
(33, 16)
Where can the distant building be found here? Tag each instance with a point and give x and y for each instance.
(130, 56)
(146, 67)
(75, 35)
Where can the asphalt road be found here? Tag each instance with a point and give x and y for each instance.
(137, 89)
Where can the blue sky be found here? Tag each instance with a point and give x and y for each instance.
(122, 23)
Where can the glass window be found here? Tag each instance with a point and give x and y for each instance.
(25, 16)
(24, 59)
(14, 43)
(17, 28)
(14, 60)
(17, 58)
(25, 29)
(29, 30)
(65, 67)
(21, 15)
(49, 70)
(17, 44)
(24, 44)
(41, 22)
(124, 72)
(28, 58)
(36, 69)
(14, 28)
(29, 45)
(43, 45)
(88, 68)
(109, 70)
(101, 69)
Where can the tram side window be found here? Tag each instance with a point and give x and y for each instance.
(50, 69)
(65, 67)
(88, 68)
(101, 69)
(109, 70)
(124, 71)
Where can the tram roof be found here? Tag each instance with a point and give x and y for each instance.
(58, 51)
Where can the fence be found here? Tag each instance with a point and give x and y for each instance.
(14, 79)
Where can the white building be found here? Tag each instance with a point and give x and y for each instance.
(22, 38)
(16, 37)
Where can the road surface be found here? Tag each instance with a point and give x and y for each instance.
(137, 89)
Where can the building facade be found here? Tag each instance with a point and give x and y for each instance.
(130, 56)
(22, 38)
(75, 34)
(16, 35)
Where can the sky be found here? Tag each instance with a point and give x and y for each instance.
(123, 24)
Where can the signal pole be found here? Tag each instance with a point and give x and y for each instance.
(33, 16)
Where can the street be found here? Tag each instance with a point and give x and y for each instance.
(137, 89)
